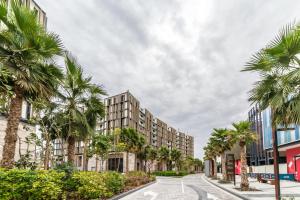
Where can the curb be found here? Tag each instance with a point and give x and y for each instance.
(124, 194)
(227, 190)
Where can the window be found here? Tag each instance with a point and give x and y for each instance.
(79, 162)
(123, 98)
(27, 3)
(115, 164)
(28, 110)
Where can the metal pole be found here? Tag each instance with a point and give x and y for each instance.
(276, 160)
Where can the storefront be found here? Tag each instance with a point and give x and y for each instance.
(293, 162)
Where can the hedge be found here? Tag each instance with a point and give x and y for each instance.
(170, 173)
(19, 184)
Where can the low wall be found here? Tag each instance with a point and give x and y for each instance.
(268, 169)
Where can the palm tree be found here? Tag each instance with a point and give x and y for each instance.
(26, 52)
(75, 87)
(223, 141)
(198, 165)
(140, 150)
(244, 136)
(93, 110)
(142, 155)
(210, 154)
(175, 156)
(216, 151)
(164, 156)
(189, 161)
(130, 138)
(279, 66)
(151, 156)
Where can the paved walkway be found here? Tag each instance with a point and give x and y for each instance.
(191, 187)
(267, 191)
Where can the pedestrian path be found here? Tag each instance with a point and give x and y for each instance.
(191, 187)
(289, 189)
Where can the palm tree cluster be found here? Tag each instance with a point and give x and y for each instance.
(223, 140)
(67, 103)
(278, 67)
(167, 159)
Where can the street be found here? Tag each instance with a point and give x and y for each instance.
(191, 187)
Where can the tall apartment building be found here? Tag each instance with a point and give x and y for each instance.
(124, 111)
(24, 128)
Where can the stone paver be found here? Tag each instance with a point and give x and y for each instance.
(192, 187)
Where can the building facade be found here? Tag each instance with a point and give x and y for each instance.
(124, 111)
(257, 155)
(261, 153)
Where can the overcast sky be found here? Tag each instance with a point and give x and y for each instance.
(180, 58)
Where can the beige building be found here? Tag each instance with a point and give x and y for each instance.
(24, 128)
(124, 111)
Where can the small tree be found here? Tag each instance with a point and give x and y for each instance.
(101, 144)
(151, 156)
(243, 135)
(175, 157)
(164, 156)
(131, 139)
(198, 165)
(223, 142)
(211, 153)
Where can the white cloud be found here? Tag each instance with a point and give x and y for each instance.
(181, 59)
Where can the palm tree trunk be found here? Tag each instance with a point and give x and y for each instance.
(20, 144)
(215, 174)
(135, 163)
(85, 159)
(102, 164)
(127, 161)
(211, 169)
(11, 132)
(97, 161)
(63, 150)
(71, 149)
(223, 161)
(47, 153)
(244, 177)
(276, 162)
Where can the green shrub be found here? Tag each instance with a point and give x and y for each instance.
(48, 185)
(170, 173)
(27, 184)
(89, 185)
(114, 181)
